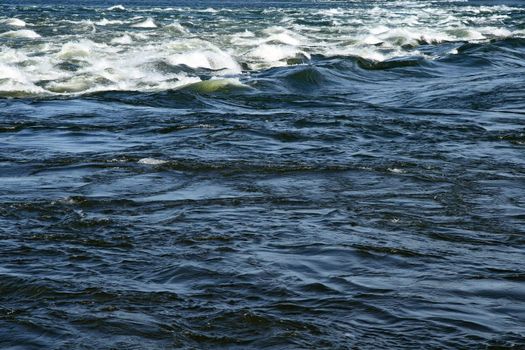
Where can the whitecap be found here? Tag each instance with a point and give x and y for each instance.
(284, 38)
(105, 22)
(331, 12)
(370, 53)
(14, 22)
(215, 85)
(246, 34)
(396, 170)
(123, 40)
(210, 10)
(379, 30)
(21, 34)
(372, 40)
(13, 80)
(497, 32)
(10, 73)
(116, 7)
(151, 161)
(148, 23)
(176, 27)
(214, 59)
(275, 54)
(76, 49)
(9, 55)
(74, 84)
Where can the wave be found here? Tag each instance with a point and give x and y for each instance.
(176, 27)
(105, 22)
(20, 34)
(122, 40)
(148, 23)
(210, 58)
(85, 66)
(14, 22)
(275, 55)
(138, 49)
(216, 86)
(116, 8)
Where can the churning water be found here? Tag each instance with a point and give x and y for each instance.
(248, 175)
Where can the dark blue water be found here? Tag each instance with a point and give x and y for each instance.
(278, 175)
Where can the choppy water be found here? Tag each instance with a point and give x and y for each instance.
(300, 174)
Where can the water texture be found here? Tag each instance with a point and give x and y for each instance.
(262, 175)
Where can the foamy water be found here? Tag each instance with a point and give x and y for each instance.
(121, 48)
(279, 174)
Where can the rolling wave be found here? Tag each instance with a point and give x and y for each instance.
(121, 50)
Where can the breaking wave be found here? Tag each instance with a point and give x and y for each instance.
(127, 51)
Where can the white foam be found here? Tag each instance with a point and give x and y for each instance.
(246, 34)
(396, 170)
(116, 7)
(139, 36)
(331, 12)
(10, 55)
(122, 40)
(275, 54)
(379, 30)
(151, 161)
(76, 49)
(214, 59)
(284, 38)
(283, 35)
(497, 32)
(147, 23)
(21, 34)
(14, 22)
(105, 22)
(74, 84)
(372, 40)
(370, 53)
(176, 27)
(13, 79)
(116, 59)
(11, 73)
(215, 84)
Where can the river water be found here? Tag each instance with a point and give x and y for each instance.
(249, 175)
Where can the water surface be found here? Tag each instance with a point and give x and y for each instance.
(248, 175)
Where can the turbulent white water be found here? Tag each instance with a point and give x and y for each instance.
(120, 48)
(14, 22)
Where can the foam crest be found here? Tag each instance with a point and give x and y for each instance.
(13, 80)
(399, 37)
(77, 83)
(181, 46)
(122, 40)
(275, 55)
(116, 8)
(146, 24)
(12, 56)
(21, 34)
(283, 36)
(210, 58)
(11, 73)
(14, 22)
(176, 27)
(151, 161)
(216, 85)
(77, 50)
(105, 22)
(332, 12)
